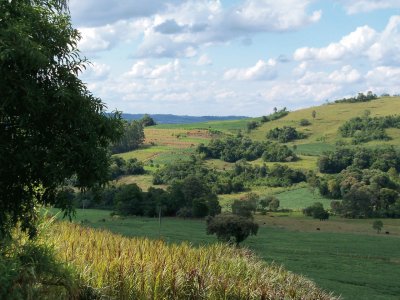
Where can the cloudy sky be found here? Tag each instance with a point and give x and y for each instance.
(230, 57)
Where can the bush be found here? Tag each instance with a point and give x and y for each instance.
(275, 152)
(32, 271)
(377, 225)
(304, 122)
(275, 116)
(284, 134)
(231, 227)
(316, 211)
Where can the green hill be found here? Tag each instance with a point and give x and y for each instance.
(169, 142)
(322, 134)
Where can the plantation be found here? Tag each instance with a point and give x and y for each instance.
(123, 268)
(330, 257)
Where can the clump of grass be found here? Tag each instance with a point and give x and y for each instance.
(132, 268)
(29, 269)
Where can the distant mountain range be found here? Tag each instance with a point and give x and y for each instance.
(174, 119)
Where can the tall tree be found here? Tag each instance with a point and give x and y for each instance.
(51, 126)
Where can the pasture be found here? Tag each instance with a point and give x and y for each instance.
(348, 257)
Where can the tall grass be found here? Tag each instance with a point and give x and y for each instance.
(127, 268)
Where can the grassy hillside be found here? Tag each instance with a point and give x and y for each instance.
(167, 143)
(323, 131)
(346, 256)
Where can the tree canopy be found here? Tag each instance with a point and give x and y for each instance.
(51, 126)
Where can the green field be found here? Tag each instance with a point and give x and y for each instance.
(301, 198)
(356, 266)
(225, 126)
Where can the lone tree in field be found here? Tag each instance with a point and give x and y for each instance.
(377, 225)
(314, 114)
(231, 228)
(51, 126)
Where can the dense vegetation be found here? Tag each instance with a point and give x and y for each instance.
(365, 193)
(232, 149)
(132, 138)
(224, 182)
(285, 134)
(51, 126)
(382, 158)
(360, 98)
(365, 128)
(120, 167)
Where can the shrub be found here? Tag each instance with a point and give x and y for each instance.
(227, 227)
(316, 211)
(284, 134)
(377, 225)
(304, 122)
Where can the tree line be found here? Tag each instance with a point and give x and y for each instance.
(360, 98)
(241, 177)
(277, 114)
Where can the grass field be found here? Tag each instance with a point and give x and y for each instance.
(232, 126)
(360, 265)
(300, 198)
(324, 128)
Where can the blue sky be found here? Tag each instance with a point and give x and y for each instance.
(225, 57)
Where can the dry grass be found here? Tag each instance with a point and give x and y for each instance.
(329, 118)
(126, 268)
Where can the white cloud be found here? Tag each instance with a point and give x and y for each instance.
(345, 75)
(90, 13)
(383, 79)
(108, 36)
(353, 44)
(260, 71)
(379, 47)
(270, 15)
(96, 71)
(362, 6)
(204, 60)
(143, 70)
(206, 22)
(386, 49)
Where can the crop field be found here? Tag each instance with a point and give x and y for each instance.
(118, 267)
(358, 265)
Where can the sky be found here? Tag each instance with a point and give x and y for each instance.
(230, 57)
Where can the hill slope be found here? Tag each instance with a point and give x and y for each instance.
(168, 142)
(323, 131)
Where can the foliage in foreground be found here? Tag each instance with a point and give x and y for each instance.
(126, 268)
(29, 269)
(51, 126)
